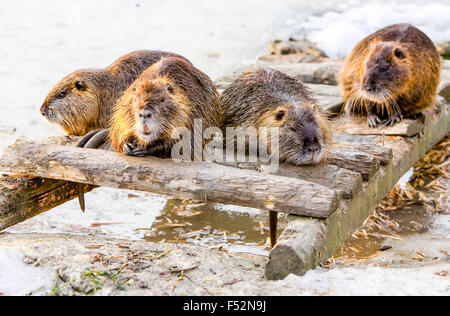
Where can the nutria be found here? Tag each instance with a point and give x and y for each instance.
(269, 98)
(170, 94)
(82, 101)
(390, 74)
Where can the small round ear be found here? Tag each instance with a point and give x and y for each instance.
(80, 85)
(170, 89)
(280, 115)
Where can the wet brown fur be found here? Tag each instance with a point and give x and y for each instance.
(80, 112)
(254, 100)
(194, 97)
(412, 82)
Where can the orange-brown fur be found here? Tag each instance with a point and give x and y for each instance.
(409, 79)
(79, 111)
(194, 96)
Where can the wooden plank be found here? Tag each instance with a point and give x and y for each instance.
(306, 243)
(199, 181)
(345, 182)
(367, 165)
(358, 126)
(316, 73)
(382, 154)
(22, 198)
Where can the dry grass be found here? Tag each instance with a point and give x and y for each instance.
(428, 186)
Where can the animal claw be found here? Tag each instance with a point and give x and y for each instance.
(392, 120)
(373, 120)
(132, 149)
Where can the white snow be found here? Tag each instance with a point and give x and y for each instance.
(338, 32)
(18, 278)
(109, 212)
(373, 281)
(405, 178)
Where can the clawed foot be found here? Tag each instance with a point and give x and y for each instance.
(396, 118)
(373, 120)
(132, 149)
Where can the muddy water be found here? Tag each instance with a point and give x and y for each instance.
(414, 219)
(213, 226)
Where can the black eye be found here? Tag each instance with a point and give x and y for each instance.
(80, 86)
(398, 53)
(62, 95)
(280, 115)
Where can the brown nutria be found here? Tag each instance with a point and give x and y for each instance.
(269, 98)
(170, 94)
(390, 74)
(82, 101)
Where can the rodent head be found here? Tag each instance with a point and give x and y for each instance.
(74, 102)
(158, 109)
(385, 73)
(303, 135)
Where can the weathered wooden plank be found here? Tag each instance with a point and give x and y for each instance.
(367, 165)
(199, 181)
(358, 126)
(382, 154)
(308, 242)
(22, 198)
(345, 182)
(317, 73)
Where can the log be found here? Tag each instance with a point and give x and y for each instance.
(190, 180)
(382, 154)
(345, 182)
(358, 126)
(317, 73)
(358, 161)
(22, 198)
(299, 249)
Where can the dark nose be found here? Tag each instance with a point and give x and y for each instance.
(145, 115)
(370, 85)
(312, 143)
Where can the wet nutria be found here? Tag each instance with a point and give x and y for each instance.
(82, 101)
(269, 98)
(170, 94)
(392, 73)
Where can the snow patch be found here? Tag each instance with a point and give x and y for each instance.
(18, 278)
(337, 33)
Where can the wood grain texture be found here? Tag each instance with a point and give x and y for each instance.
(358, 126)
(199, 181)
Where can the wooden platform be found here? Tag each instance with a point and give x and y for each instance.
(327, 203)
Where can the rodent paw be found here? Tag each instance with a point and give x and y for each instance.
(132, 149)
(392, 120)
(373, 120)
